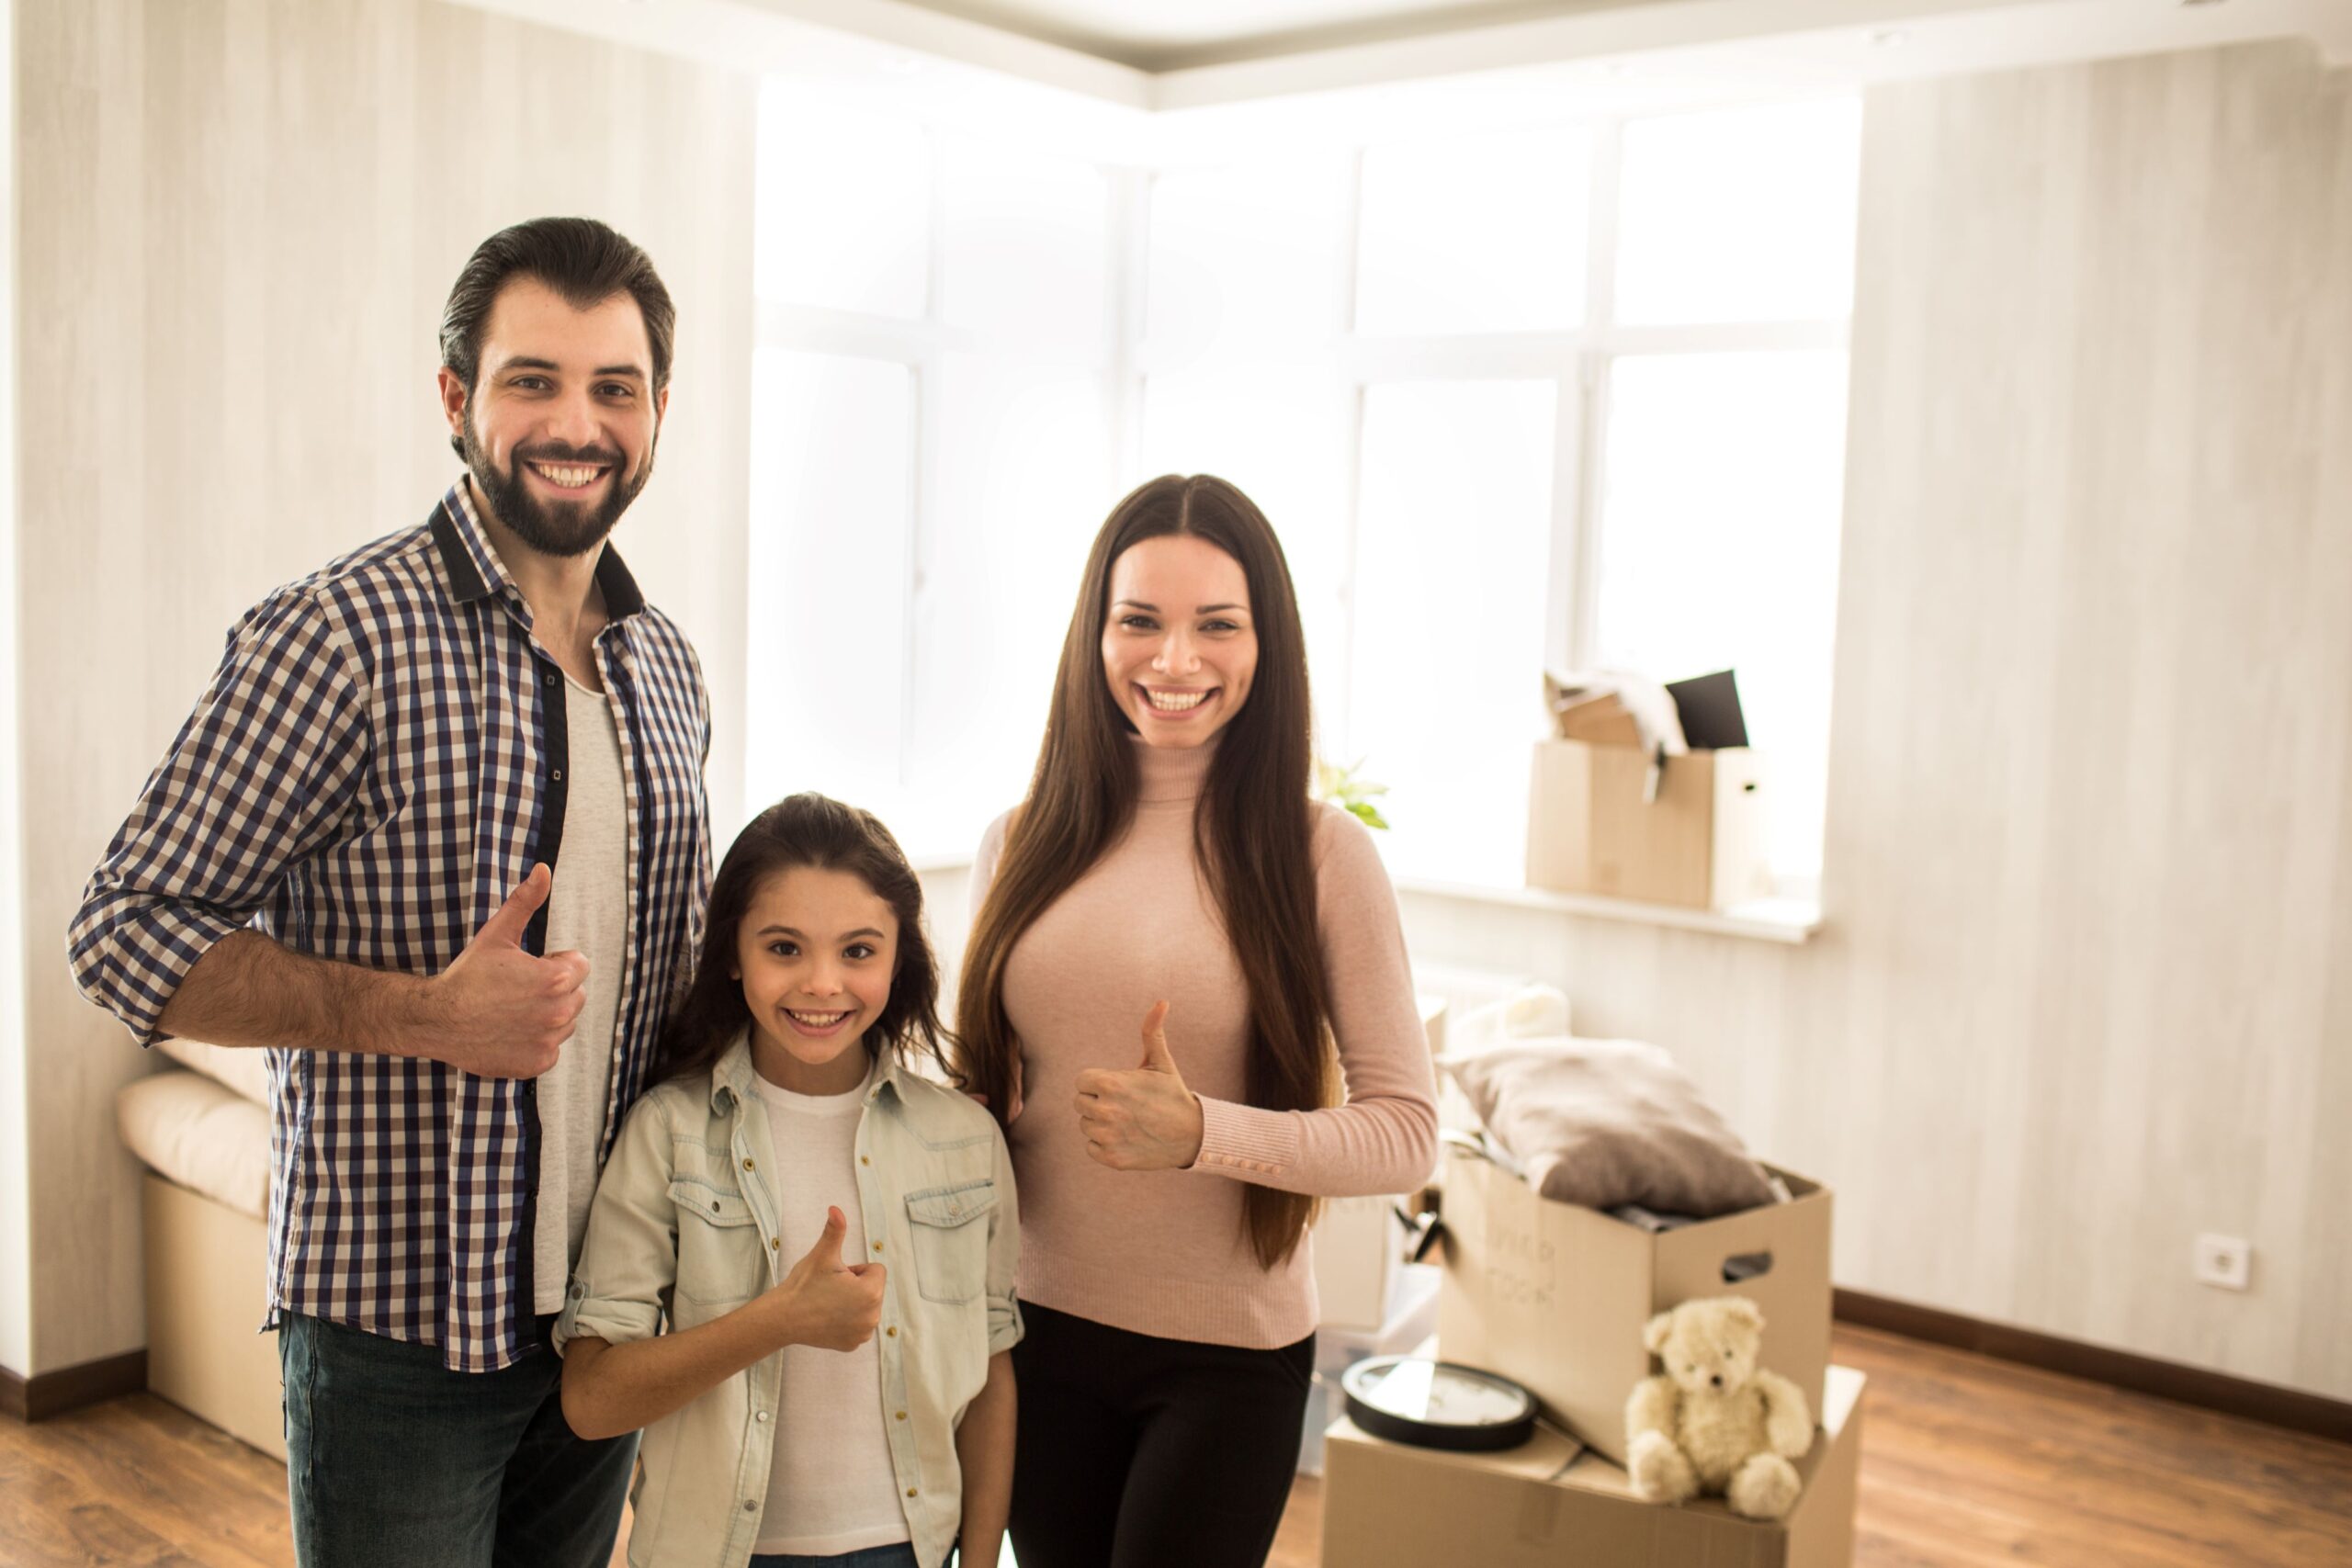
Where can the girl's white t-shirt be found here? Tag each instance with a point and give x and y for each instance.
(831, 1487)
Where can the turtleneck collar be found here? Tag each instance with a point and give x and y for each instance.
(1171, 775)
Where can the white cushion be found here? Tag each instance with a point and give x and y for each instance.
(1530, 1012)
(245, 1071)
(195, 1132)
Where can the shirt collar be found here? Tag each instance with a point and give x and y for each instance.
(735, 1078)
(476, 572)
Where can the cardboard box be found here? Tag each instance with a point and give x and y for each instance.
(1358, 1248)
(1700, 843)
(1391, 1505)
(1358, 1245)
(1411, 1329)
(1555, 1296)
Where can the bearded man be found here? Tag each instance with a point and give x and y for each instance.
(435, 840)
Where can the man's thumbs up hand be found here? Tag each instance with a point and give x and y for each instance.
(499, 1012)
(505, 928)
(1143, 1118)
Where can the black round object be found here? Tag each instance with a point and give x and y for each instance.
(1437, 1404)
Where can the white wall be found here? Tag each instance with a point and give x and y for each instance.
(2085, 987)
(16, 1197)
(239, 221)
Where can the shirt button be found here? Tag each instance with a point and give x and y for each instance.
(556, 774)
(911, 1491)
(863, 1160)
(877, 1247)
(891, 1332)
(748, 1166)
(761, 1415)
(775, 1244)
(550, 680)
(714, 1205)
(902, 1415)
(750, 1507)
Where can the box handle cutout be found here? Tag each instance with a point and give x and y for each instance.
(1747, 1266)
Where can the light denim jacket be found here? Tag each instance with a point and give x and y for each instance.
(684, 1227)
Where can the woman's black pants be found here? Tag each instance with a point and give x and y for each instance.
(1141, 1453)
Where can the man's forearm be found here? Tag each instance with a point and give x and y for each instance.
(249, 991)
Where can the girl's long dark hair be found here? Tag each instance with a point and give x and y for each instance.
(815, 831)
(1252, 830)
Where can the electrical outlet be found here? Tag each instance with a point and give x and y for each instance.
(2224, 1261)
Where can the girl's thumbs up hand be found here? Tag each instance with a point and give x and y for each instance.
(1141, 1118)
(827, 1303)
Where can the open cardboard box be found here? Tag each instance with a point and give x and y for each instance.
(1606, 816)
(1700, 843)
(1543, 1506)
(1555, 1296)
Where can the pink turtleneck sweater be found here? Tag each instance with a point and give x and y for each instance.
(1164, 1252)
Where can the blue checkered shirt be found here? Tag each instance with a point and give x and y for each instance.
(378, 761)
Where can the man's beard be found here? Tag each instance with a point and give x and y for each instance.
(561, 528)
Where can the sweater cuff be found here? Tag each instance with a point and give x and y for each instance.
(1244, 1141)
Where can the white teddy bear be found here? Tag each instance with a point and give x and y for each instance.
(1716, 1422)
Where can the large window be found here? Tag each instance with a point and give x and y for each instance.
(1568, 395)
(1590, 386)
(933, 444)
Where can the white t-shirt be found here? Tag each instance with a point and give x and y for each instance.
(831, 1487)
(587, 913)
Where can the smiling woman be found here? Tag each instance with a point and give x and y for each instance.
(1178, 958)
(1178, 646)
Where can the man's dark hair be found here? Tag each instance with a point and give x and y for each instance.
(585, 261)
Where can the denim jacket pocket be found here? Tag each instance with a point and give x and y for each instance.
(719, 1261)
(951, 1251)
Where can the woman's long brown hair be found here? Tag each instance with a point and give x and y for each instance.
(1252, 830)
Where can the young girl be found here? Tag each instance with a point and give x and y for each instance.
(853, 1407)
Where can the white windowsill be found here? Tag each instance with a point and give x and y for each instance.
(1791, 920)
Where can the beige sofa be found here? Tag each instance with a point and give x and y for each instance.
(203, 1132)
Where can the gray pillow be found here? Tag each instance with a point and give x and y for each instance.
(1601, 1122)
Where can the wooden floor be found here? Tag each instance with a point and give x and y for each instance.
(1966, 1463)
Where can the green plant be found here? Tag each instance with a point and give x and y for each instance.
(1344, 788)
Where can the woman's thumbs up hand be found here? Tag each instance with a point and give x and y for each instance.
(1141, 1118)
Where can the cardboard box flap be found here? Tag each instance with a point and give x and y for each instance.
(1597, 721)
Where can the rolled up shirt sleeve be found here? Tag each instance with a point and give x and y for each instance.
(261, 776)
(629, 1261)
(1004, 1257)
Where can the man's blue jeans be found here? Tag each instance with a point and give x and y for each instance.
(393, 1459)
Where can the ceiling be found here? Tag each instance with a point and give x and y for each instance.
(1177, 58)
(1157, 35)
